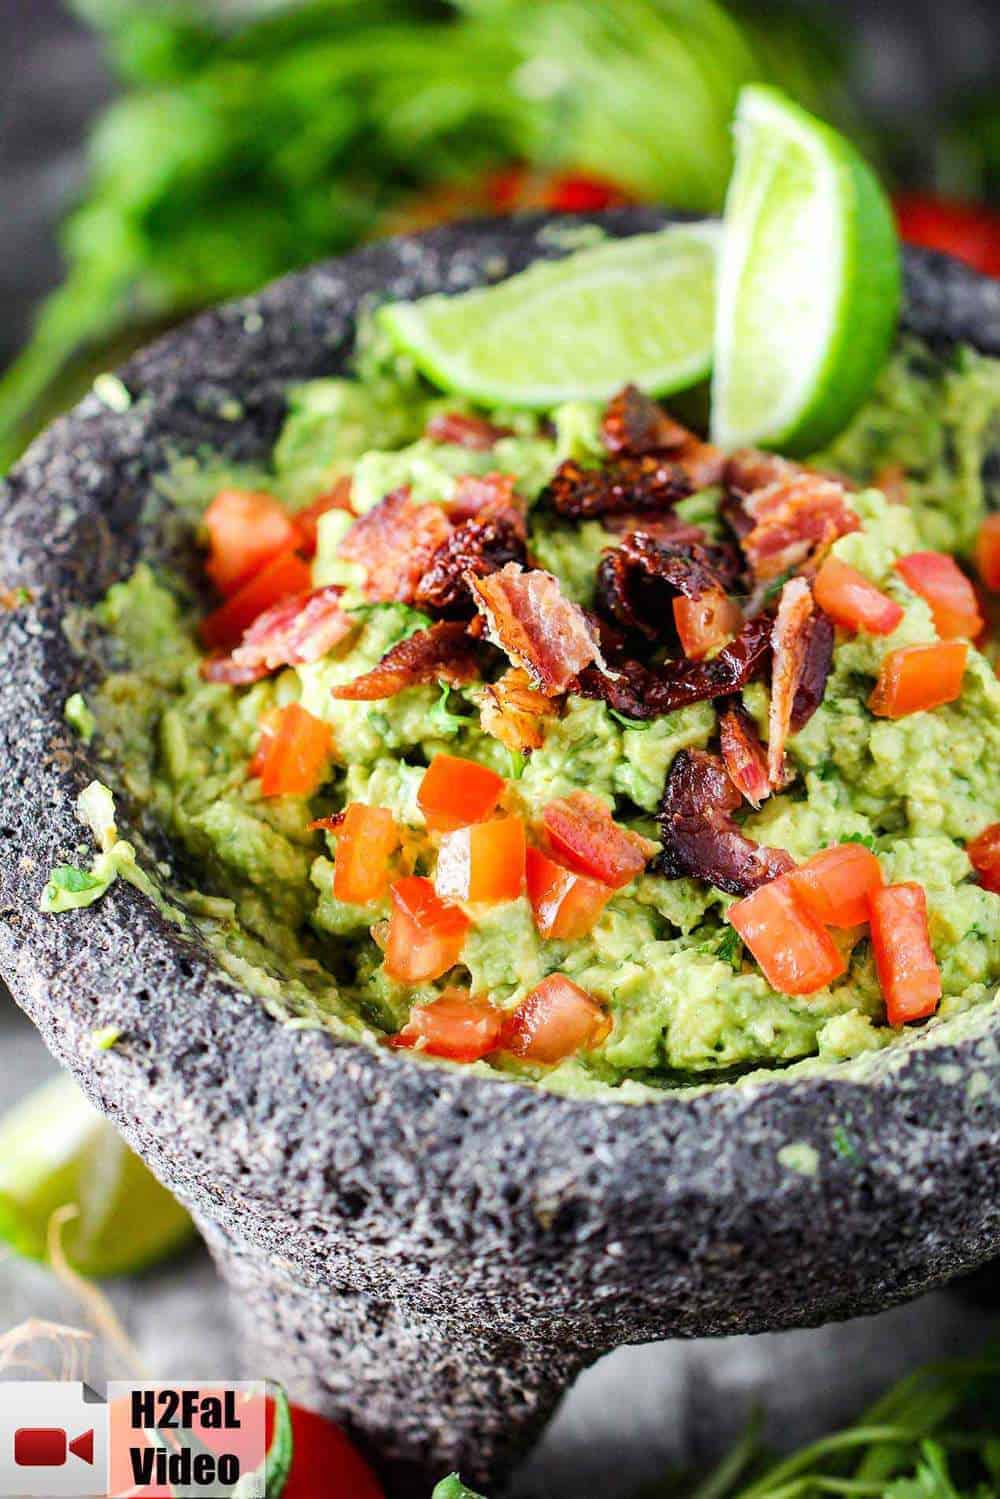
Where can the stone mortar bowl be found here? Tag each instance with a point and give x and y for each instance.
(427, 1256)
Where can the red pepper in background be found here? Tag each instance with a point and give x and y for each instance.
(324, 1464)
(968, 231)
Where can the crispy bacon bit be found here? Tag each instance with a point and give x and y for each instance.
(645, 692)
(478, 495)
(515, 712)
(815, 669)
(788, 646)
(796, 521)
(445, 652)
(472, 432)
(743, 754)
(651, 483)
(395, 542)
(664, 529)
(542, 631)
(638, 581)
(634, 425)
(701, 838)
(749, 469)
(338, 497)
(300, 629)
(476, 548)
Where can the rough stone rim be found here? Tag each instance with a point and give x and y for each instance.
(197, 1080)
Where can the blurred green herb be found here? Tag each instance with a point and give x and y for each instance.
(260, 135)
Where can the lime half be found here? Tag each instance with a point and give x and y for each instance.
(809, 281)
(56, 1150)
(638, 309)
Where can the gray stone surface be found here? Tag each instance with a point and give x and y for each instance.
(462, 1244)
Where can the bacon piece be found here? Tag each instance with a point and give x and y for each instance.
(749, 469)
(816, 669)
(644, 692)
(634, 424)
(637, 582)
(700, 837)
(515, 712)
(477, 495)
(476, 548)
(472, 432)
(445, 652)
(307, 520)
(744, 755)
(543, 632)
(664, 529)
(651, 483)
(788, 647)
(299, 629)
(795, 521)
(394, 542)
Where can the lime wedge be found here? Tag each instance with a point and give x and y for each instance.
(809, 281)
(638, 309)
(55, 1149)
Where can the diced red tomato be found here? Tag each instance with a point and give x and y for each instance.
(834, 885)
(297, 754)
(456, 1025)
(267, 729)
(484, 862)
(556, 1020)
(917, 678)
(582, 192)
(702, 624)
(456, 792)
(583, 833)
(367, 838)
(988, 552)
(567, 905)
(245, 530)
(984, 852)
(307, 520)
(426, 934)
(908, 973)
(969, 231)
(852, 601)
(323, 1461)
(794, 949)
(281, 578)
(939, 579)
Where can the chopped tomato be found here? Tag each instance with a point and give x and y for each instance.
(702, 624)
(834, 885)
(582, 832)
(582, 192)
(852, 601)
(483, 862)
(566, 905)
(367, 838)
(297, 754)
(908, 973)
(456, 792)
(281, 578)
(795, 951)
(267, 729)
(426, 934)
(916, 678)
(307, 520)
(245, 530)
(969, 231)
(988, 552)
(984, 853)
(939, 579)
(556, 1020)
(456, 1026)
(323, 1461)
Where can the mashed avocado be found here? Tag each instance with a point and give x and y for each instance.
(686, 1001)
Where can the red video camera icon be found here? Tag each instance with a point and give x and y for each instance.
(49, 1447)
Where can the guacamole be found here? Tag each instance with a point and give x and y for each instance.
(261, 752)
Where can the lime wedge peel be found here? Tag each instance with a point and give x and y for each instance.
(638, 309)
(55, 1151)
(809, 281)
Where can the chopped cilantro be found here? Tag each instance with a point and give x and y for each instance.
(444, 720)
(638, 724)
(79, 717)
(730, 948)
